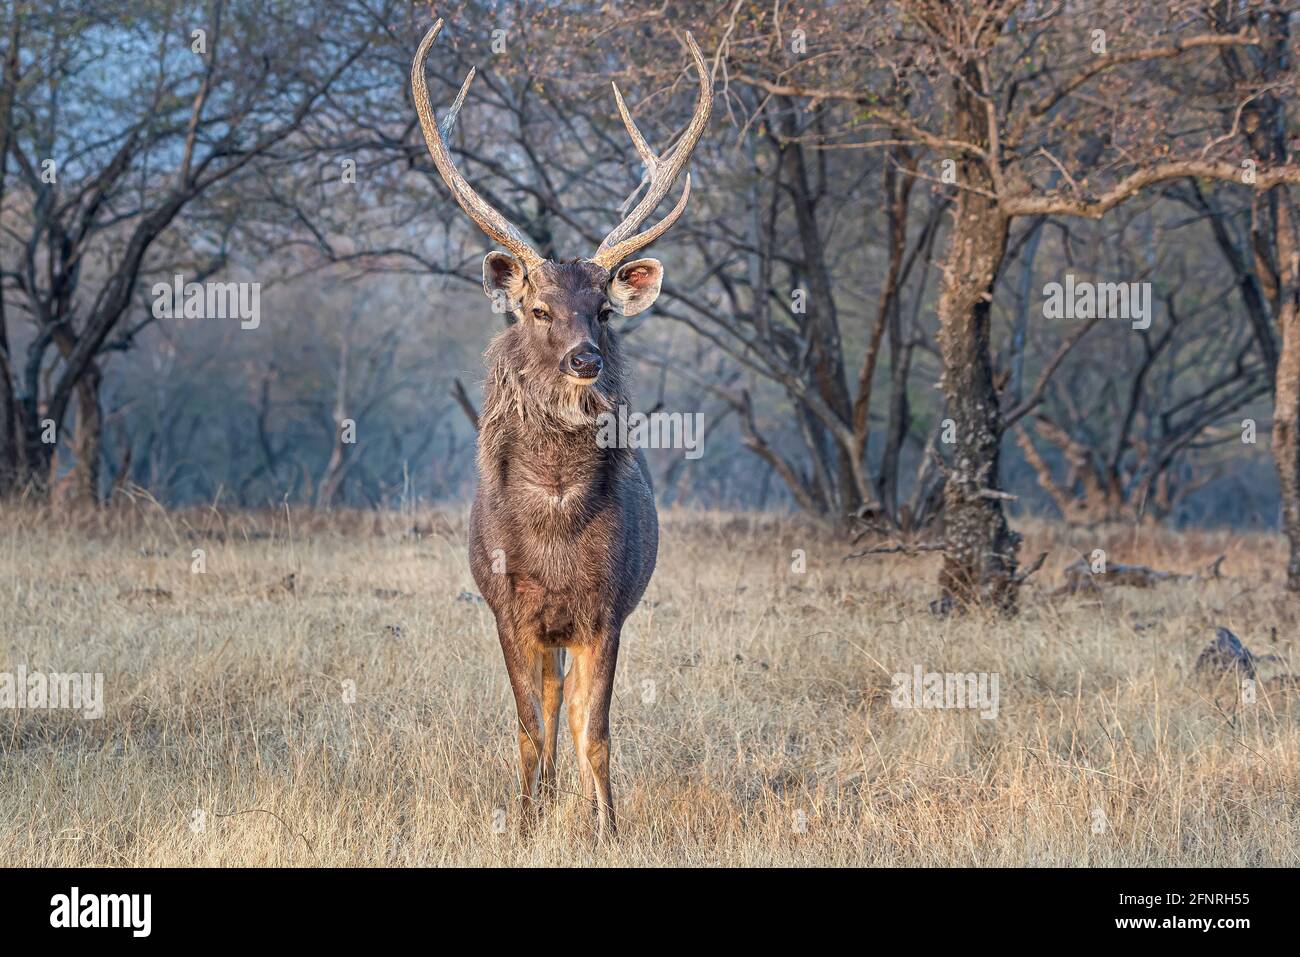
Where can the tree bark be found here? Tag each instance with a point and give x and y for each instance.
(979, 566)
(1286, 450)
(88, 442)
(10, 443)
(1265, 129)
(1286, 401)
(36, 461)
(827, 356)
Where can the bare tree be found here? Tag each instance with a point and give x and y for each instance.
(105, 171)
(1004, 92)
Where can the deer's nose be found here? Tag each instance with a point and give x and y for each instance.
(583, 361)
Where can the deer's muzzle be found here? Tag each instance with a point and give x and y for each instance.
(583, 362)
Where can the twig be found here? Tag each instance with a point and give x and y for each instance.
(906, 549)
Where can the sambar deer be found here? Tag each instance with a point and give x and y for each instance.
(563, 532)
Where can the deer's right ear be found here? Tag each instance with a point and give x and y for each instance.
(503, 281)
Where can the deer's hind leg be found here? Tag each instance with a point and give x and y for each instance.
(552, 699)
(575, 686)
(593, 674)
(600, 693)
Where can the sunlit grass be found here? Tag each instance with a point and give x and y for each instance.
(752, 720)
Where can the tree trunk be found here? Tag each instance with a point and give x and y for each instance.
(889, 320)
(1286, 397)
(1286, 449)
(88, 442)
(332, 479)
(9, 435)
(1266, 130)
(843, 488)
(36, 455)
(328, 488)
(979, 565)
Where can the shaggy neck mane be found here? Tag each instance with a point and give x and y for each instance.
(539, 406)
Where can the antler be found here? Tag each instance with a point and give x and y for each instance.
(488, 219)
(663, 172)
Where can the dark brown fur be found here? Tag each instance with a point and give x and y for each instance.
(563, 533)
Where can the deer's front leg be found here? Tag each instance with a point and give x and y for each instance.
(524, 664)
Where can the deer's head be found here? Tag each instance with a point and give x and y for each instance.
(562, 307)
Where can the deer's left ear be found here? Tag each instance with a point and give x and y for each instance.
(635, 286)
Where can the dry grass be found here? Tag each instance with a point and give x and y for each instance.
(770, 698)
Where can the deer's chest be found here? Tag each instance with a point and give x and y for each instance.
(554, 491)
(554, 588)
(553, 525)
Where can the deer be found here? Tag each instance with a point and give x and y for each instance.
(563, 532)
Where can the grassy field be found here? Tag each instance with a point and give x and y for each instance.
(752, 720)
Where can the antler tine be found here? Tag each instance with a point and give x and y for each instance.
(664, 171)
(620, 251)
(642, 147)
(449, 121)
(488, 218)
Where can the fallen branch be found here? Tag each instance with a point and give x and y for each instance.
(1081, 577)
(1037, 564)
(905, 548)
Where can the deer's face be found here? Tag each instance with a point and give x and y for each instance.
(564, 308)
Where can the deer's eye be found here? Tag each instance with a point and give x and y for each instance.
(541, 315)
(605, 313)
